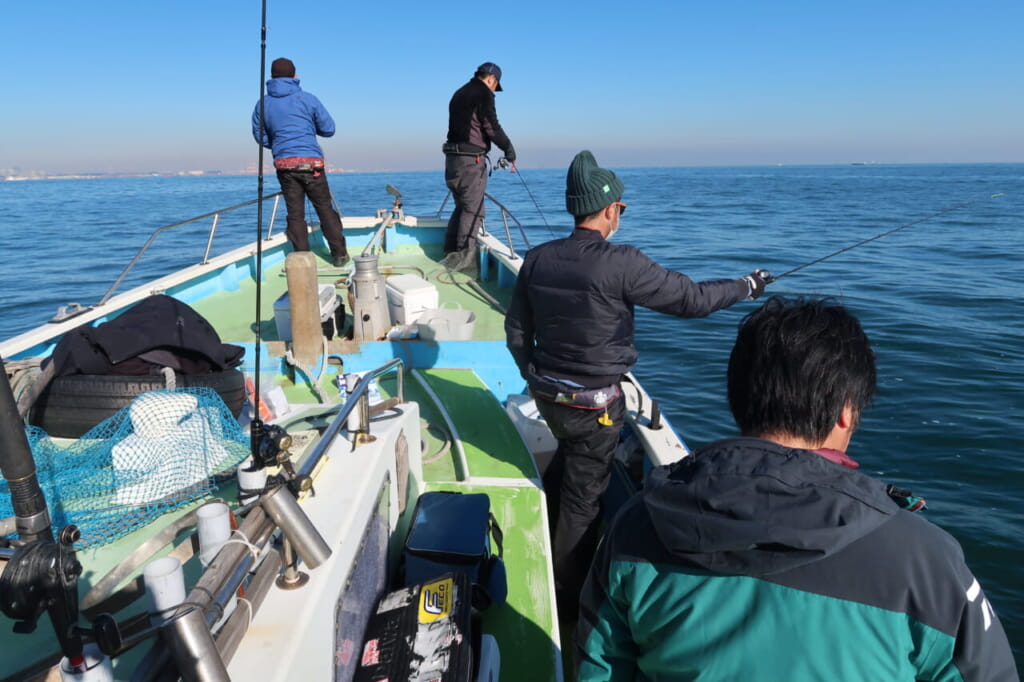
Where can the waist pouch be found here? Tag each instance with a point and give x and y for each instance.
(452, 533)
(299, 163)
(586, 399)
(462, 149)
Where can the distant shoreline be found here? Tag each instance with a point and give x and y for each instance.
(10, 176)
(42, 175)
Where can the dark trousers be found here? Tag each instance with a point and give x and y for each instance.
(296, 186)
(574, 482)
(466, 177)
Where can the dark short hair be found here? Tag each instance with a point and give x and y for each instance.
(282, 67)
(796, 363)
(584, 218)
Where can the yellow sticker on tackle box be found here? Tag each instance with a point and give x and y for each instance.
(436, 599)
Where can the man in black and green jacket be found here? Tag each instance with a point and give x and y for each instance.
(770, 557)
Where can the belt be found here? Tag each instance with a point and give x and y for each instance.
(586, 399)
(462, 149)
(299, 163)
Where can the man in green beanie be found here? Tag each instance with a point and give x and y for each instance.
(570, 329)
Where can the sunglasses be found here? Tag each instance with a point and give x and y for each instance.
(622, 206)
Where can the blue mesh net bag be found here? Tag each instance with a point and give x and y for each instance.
(166, 449)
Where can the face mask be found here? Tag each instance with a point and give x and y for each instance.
(615, 227)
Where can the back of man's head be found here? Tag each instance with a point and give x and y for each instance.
(795, 365)
(282, 67)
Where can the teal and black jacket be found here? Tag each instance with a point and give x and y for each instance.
(753, 561)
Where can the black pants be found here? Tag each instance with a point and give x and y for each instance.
(296, 186)
(574, 482)
(466, 177)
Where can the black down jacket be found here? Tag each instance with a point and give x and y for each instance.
(571, 314)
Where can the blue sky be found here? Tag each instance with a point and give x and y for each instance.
(161, 85)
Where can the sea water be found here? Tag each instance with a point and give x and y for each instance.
(940, 299)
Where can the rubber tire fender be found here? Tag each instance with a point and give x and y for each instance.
(73, 404)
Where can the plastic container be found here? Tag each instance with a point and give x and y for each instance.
(214, 530)
(408, 297)
(283, 312)
(98, 668)
(165, 585)
(446, 324)
(522, 410)
(254, 481)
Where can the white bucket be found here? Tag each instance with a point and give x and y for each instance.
(446, 324)
(522, 410)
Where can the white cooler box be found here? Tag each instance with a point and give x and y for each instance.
(283, 311)
(408, 297)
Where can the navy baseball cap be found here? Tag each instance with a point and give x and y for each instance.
(491, 68)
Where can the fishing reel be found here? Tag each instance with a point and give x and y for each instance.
(504, 163)
(270, 445)
(42, 576)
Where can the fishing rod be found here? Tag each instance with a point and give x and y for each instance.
(879, 236)
(256, 429)
(505, 163)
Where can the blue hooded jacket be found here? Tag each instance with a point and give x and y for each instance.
(293, 120)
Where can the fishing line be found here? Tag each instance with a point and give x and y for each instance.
(879, 236)
(515, 171)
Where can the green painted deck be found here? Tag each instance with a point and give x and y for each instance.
(502, 467)
(499, 464)
(493, 447)
(234, 323)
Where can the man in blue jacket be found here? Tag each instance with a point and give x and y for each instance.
(570, 329)
(770, 556)
(292, 118)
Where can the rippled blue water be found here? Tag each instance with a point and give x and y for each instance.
(940, 299)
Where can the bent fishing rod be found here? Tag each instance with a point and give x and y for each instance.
(879, 236)
(511, 165)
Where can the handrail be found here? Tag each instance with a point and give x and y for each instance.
(357, 399)
(505, 215)
(209, 241)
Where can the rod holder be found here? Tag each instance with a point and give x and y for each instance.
(282, 507)
(193, 648)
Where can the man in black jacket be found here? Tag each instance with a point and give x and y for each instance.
(472, 126)
(570, 329)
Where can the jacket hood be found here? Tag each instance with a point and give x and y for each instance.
(746, 506)
(282, 87)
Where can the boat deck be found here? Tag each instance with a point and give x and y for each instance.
(468, 442)
(469, 445)
(234, 323)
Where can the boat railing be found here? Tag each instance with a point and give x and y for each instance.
(355, 413)
(209, 239)
(505, 216)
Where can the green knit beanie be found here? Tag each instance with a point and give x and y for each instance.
(588, 187)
